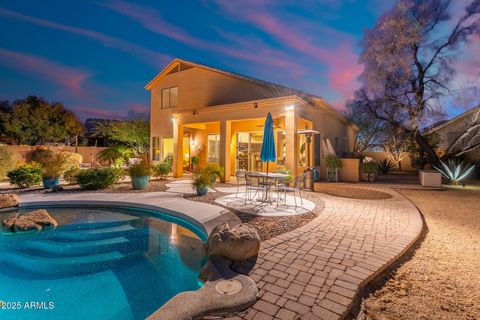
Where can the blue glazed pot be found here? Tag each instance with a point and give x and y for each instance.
(49, 183)
(140, 183)
(201, 190)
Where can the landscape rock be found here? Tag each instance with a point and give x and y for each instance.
(58, 188)
(9, 200)
(35, 220)
(238, 244)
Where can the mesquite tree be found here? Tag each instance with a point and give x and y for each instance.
(469, 139)
(408, 59)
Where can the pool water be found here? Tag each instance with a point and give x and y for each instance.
(99, 263)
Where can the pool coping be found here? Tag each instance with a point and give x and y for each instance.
(203, 215)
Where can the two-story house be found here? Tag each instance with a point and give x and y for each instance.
(197, 110)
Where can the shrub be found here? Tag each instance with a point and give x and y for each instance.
(368, 167)
(6, 162)
(202, 178)
(71, 175)
(288, 179)
(140, 169)
(72, 159)
(26, 176)
(55, 166)
(385, 166)
(195, 160)
(455, 171)
(333, 162)
(214, 171)
(98, 178)
(163, 169)
(116, 155)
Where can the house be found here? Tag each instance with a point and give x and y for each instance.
(449, 131)
(198, 110)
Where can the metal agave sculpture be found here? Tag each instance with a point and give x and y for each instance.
(455, 171)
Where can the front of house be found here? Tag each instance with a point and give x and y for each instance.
(218, 116)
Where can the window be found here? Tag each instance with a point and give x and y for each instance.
(155, 148)
(169, 97)
(213, 143)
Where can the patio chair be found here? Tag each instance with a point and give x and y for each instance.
(252, 186)
(285, 188)
(241, 180)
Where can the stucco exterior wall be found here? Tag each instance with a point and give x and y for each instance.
(23, 153)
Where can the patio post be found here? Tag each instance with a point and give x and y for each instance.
(225, 142)
(291, 141)
(177, 150)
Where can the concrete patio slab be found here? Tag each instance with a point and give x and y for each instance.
(237, 203)
(183, 186)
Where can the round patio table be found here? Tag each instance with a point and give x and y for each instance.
(265, 176)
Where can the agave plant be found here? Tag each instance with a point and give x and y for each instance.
(455, 171)
(385, 166)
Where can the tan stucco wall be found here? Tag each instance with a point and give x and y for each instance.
(23, 153)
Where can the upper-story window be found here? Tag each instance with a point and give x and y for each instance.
(169, 97)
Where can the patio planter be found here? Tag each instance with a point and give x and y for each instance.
(430, 178)
(332, 174)
(49, 183)
(364, 176)
(140, 183)
(201, 190)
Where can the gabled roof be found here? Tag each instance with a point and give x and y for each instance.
(284, 90)
(443, 124)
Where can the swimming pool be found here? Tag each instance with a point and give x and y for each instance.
(100, 263)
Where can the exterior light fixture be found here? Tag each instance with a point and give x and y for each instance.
(174, 119)
(195, 112)
(289, 107)
(255, 105)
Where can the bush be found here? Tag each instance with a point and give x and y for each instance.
(55, 167)
(202, 178)
(368, 167)
(6, 162)
(214, 171)
(26, 176)
(72, 159)
(140, 169)
(98, 178)
(116, 155)
(163, 169)
(333, 162)
(71, 175)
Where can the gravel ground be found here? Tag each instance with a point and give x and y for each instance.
(442, 279)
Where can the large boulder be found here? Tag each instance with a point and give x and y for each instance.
(238, 244)
(35, 220)
(9, 200)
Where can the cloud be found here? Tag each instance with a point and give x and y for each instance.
(45, 69)
(151, 20)
(341, 60)
(145, 55)
(86, 112)
(138, 107)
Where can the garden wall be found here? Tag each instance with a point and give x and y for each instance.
(381, 155)
(23, 153)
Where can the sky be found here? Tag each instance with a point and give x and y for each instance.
(97, 56)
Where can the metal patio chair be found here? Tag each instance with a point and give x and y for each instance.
(252, 186)
(241, 180)
(284, 188)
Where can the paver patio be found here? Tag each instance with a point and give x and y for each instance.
(316, 271)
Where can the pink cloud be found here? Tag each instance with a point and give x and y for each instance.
(61, 75)
(138, 107)
(151, 19)
(148, 56)
(94, 112)
(341, 59)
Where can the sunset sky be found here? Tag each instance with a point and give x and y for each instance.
(97, 56)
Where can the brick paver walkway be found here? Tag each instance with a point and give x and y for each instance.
(315, 272)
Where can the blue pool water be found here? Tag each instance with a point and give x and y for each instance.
(100, 263)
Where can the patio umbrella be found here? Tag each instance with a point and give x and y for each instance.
(268, 145)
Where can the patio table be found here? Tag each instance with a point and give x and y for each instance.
(265, 176)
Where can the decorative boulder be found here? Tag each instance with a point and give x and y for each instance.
(9, 200)
(35, 220)
(238, 244)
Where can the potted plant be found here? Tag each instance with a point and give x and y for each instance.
(140, 174)
(334, 164)
(214, 172)
(368, 170)
(53, 168)
(195, 160)
(202, 180)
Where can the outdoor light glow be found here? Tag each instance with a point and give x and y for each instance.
(174, 119)
(289, 107)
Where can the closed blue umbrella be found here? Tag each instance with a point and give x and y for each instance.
(268, 145)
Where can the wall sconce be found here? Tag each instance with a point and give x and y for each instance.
(195, 112)
(255, 105)
(174, 119)
(290, 107)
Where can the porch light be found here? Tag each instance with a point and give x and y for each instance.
(174, 119)
(289, 107)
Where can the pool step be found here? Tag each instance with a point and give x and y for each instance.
(50, 247)
(91, 234)
(65, 265)
(98, 224)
